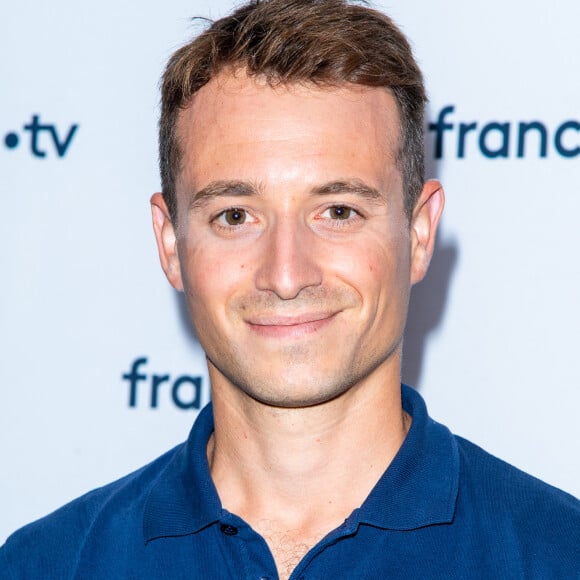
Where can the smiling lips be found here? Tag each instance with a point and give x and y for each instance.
(290, 326)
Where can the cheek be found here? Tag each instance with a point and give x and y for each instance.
(211, 278)
(383, 278)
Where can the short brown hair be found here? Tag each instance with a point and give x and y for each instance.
(325, 42)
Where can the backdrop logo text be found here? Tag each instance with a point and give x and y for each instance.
(503, 139)
(151, 389)
(43, 139)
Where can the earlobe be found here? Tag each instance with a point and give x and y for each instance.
(166, 241)
(424, 224)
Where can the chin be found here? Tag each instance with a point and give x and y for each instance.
(296, 392)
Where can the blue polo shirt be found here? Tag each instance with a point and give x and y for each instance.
(443, 509)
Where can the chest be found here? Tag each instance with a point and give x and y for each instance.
(288, 547)
(364, 552)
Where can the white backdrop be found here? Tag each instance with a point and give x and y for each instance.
(493, 335)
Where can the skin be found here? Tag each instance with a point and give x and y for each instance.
(296, 259)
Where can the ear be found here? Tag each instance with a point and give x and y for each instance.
(166, 241)
(424, 224)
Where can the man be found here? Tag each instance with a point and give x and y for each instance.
(295, 219)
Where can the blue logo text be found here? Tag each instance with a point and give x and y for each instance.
(503, 139)
(43, 138)
(184, 391)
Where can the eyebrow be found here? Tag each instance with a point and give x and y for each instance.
(222, 189)
(350, 186)
(233, 188)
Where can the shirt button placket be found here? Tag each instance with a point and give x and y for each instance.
(229, 530)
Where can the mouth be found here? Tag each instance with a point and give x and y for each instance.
(290, 326)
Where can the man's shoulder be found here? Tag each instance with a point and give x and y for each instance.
(495, 478)
(507, 502)
(59, 536)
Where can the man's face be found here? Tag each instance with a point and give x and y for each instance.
(293, 247)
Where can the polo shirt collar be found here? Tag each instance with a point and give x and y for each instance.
(184, 499)
(419, 488)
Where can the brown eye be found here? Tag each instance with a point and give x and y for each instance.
(235, 217)
(340, 212)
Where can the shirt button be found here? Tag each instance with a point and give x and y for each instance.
(229, 530)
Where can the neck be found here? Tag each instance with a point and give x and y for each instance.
(304, 467)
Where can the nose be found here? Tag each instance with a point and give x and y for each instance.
(288, 263)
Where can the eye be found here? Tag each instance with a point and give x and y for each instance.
(339, 217)
(234, 216)
(233, 220)
(339, 212)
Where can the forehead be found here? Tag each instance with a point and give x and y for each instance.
(240, 123)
